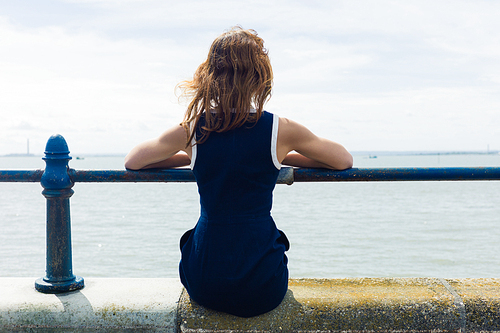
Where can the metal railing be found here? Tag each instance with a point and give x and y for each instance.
(57, 180)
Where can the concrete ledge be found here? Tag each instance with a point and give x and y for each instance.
(311, 305)
(481, 298)
(362, 305)
(148, 305)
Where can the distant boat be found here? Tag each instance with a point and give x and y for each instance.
(80, 158)
(372, 156)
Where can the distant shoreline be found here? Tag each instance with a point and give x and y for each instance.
(412, 153)
(19, 155)
(357, 153)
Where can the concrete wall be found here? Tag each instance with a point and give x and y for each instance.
(311, 305)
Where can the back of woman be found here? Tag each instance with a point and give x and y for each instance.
(234, 259)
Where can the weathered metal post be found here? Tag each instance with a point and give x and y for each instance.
(57, 190)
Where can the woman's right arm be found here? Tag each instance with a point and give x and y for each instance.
(161, 152)
(313, 151)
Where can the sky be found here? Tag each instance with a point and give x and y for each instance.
(372, 75)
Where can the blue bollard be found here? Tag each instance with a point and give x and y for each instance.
(57, 186)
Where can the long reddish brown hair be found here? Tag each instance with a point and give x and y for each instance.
(236, 77)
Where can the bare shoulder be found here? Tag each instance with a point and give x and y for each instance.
(290, 131)
(293, 136)
(176, 132)
(290, 135)
(286, 123)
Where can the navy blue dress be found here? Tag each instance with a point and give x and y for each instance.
(234, 259)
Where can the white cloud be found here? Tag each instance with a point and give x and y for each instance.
(423, 119)
(66, 82)
(103, 72)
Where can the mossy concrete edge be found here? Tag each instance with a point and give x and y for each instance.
(364, 305)
(481, 299)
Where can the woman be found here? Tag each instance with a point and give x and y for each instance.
(234, 259)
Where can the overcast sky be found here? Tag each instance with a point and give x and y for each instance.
(372, 75)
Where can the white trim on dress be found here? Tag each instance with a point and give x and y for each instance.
(193, 150)
(274, 141)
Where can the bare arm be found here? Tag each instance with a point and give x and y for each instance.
(298, 160)
(178, 160)
(161, 152)
(312, 151)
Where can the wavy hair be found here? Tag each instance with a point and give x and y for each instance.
(236, 77)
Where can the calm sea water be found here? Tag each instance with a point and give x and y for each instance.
(369, 229)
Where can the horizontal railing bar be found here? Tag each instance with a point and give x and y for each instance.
(27, 176)
(286, 177)
(398, 174)
(152, 175)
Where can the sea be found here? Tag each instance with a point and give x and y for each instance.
(448, 229)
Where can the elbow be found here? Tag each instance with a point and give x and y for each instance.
(131, 168)
(346, 162)
(130, 165)
(349, 162)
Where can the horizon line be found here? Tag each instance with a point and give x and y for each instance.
(354, 152)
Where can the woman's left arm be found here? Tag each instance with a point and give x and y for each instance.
(297, 160)
(313, 151)
(161, 152)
